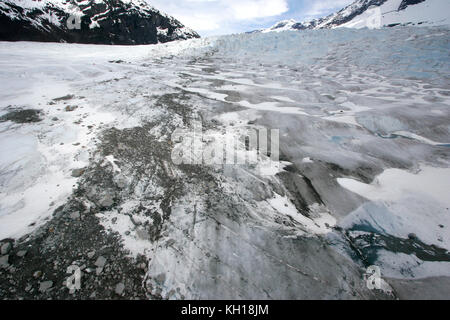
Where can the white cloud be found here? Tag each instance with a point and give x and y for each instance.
(199, 22)
(250, 9)
(208, 15)
(319, 8)
(212, 17)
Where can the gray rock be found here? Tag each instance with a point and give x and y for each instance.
(412, 236)
(120, 181)
(74, 215)
(160, 278)
(66, 97)
(4, 261)
(142, 234)
(91, 254)
(45, 286)
(143, 265)
(120, 287)
(106, 201)
(6, 247)
(78, 172)
(101, 261)
(98, 271)
(22, 116)
(37, 274)
(71, 108)
(21, 253)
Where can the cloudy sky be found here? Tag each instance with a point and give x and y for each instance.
(216, 17)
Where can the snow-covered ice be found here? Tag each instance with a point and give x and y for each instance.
(363, 142)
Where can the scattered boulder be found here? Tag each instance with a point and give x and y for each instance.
(143, 234)
(70, 108)
(4, 261)
(22, 116)
(106, 201)
(412, 236)
(21, 253)
(120, 287)
(143, 265)
(45, 286)
(160, 278)
(75, 215)
(6, 247)
(66, 97)
(101, 261)
(78, 172)
(120, 181)
(37, 274)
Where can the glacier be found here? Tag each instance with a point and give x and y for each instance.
(364, 129)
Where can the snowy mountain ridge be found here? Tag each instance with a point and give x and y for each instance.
(375, 14)
(88, 21)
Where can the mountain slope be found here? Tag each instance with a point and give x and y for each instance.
(376, 14)
(88, 21)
